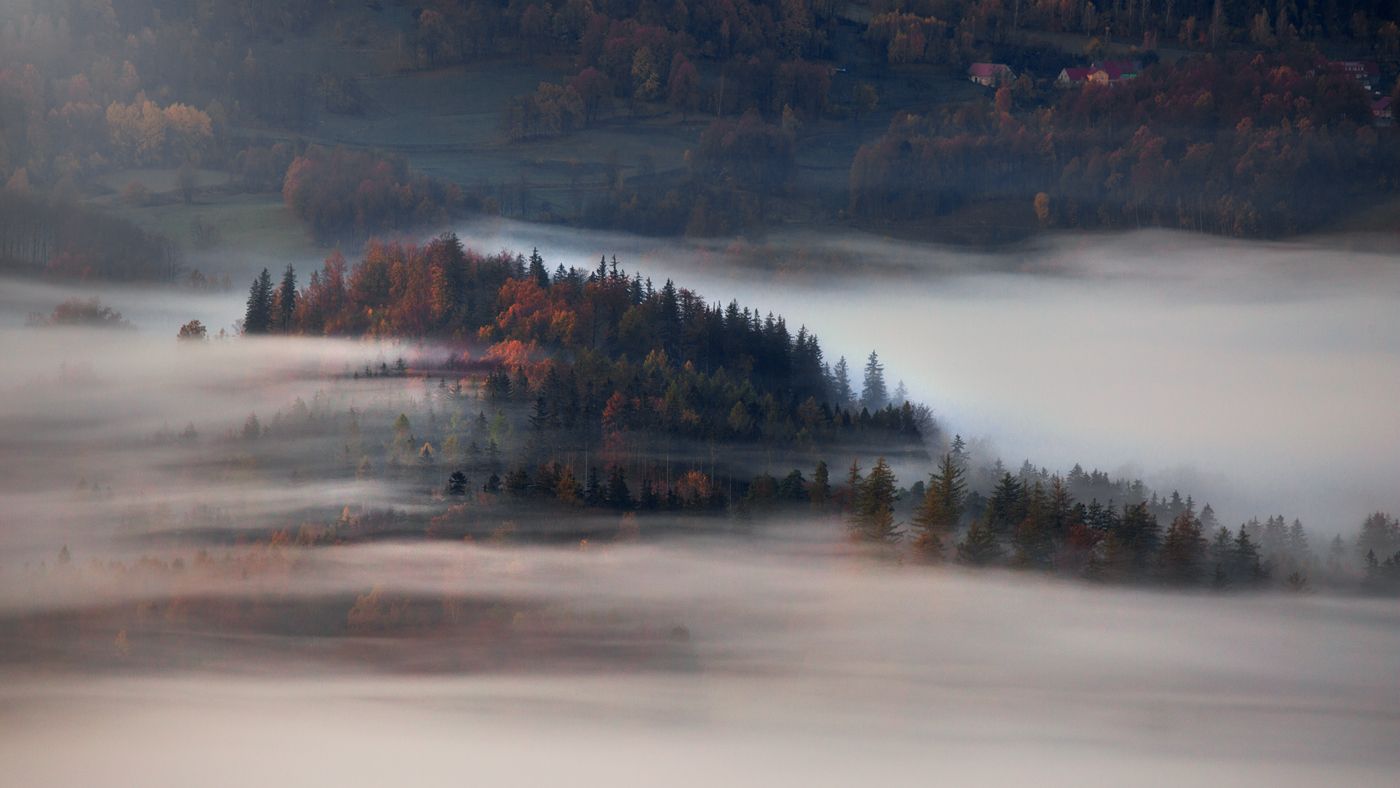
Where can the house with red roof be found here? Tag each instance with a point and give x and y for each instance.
(1383, 111)
(1105, 72)
(990, 74)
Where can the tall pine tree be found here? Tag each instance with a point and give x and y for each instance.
(938, 514)
(287, 300)
(257, 319)
(873, 395)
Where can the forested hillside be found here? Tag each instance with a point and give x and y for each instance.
(707, 118)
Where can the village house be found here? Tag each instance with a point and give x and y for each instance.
(1367, 72)
(1382, 111)
(990, 74)
(1106, 72)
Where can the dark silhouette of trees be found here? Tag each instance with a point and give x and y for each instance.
(257, 318)
(1183, 556)
(285, 301)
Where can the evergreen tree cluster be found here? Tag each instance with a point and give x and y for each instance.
(595, 353)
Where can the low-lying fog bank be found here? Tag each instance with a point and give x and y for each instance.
(1254, 376)
(797, 667)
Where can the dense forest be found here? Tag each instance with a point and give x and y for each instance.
(1241, 145)
(89, 88)
(596, 350)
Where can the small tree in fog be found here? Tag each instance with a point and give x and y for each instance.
(457, 483)
(874, 395)
(193, 331)
(841, 382)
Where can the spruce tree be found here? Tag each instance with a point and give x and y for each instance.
(937, 515)
(593, 491)
(1140, 534)
(841, 383)
(650, 501)
(1183, 551)
(1007, 506)
(457, 483)
(1298, 550)
(287, 300)
(873, 516)
(618, 496)
(1032, 536)
(1245, 567)
(1218, 556)
(518, 481)
(793, 487)
(537, 270)
(874, 396)
(820, 490)
(980, 547)
(257, 319)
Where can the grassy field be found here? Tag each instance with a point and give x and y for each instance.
(245, 227)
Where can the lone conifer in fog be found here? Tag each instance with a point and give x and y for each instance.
(874, 395)
(258, 317)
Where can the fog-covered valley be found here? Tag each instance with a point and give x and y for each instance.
(174, 587)
(699, 393)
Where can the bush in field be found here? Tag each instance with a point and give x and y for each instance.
(81, 312)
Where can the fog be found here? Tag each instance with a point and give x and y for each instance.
(93, 425)
(1255, 376)
(1252, 375)
(798, 665)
